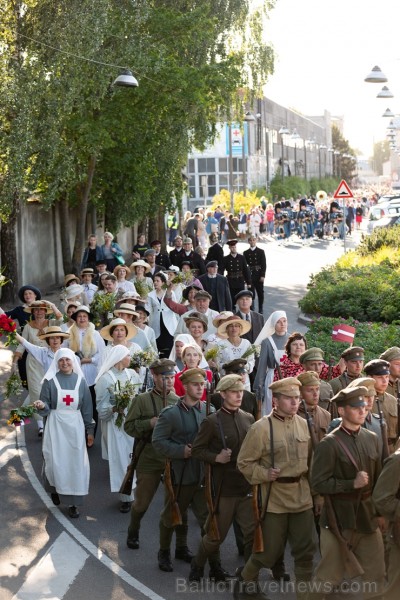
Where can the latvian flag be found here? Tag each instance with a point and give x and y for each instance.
(343, 333)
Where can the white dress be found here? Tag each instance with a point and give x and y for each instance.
(228, 352)
(116, 445)
(64, 436)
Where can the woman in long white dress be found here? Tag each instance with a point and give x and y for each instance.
(66, 402)
(162, 319)
(232, 346)
(116, 445)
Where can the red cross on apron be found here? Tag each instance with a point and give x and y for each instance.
(68, 399)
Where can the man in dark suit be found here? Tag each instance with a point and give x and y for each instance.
(193, 257)
(255, 258)
(162, 259)
(237, 270)
(217, 286)
(215, 252)
(150, 257)
(176, 254)
(243, 303)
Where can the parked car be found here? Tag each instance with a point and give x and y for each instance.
(390, 217)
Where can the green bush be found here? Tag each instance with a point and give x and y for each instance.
(290, 187)
(375, 338)
(384, 236)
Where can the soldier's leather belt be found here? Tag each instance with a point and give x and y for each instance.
(235, 275)
(352, 496)
(288, 479)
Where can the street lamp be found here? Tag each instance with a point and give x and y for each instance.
(283, 131)
(125, 79)
(376, 76)
(248, 118)
(337, 166)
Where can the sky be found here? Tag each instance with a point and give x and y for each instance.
(323, 51)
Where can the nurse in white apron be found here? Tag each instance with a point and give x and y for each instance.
(66, 402)
(116, 445)
(273, 338)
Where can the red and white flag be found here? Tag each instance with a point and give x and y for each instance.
(343, 333)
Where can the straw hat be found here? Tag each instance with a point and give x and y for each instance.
(126, 308)
(39, 304)
(119, 267)
(82, 308)
(106, 331)
(223, 315)
(221, 329)
(70, 277)
(53, 331)
(196, 316)
(73, 291)
(140, 263)
(87, 271)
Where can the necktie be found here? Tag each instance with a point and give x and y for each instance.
(247, 318)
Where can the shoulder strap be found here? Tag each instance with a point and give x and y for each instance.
(271, 442)
(221, 430)
(347, 452)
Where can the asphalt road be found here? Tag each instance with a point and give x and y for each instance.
(44, 554)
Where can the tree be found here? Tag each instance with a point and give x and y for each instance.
(346, 162)
(123, 152)
(380, 156)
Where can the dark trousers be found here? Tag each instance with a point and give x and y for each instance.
(258, 288)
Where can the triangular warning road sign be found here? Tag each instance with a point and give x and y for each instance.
(343, 191)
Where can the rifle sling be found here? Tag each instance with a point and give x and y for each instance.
(271, 446)
(347, 453)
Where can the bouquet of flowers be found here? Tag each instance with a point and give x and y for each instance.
(184, 277)
(253, 349)
(102, 305)
(21, 415)
(212, 353)
(3, 278)
(14, 386)
(142, 288)
(144, 358)
(123, 395)
(8, 327)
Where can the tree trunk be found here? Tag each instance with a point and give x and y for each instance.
(153, 229)
(64, 235)
(8, 248)
(81, 217)
(162, 233)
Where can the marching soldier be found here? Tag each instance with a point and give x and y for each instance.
(386, 498)
(237, 270)
(139, 423)
(218, 443)
(255, 258)
(309, 392)
(346, 466)
(354, 360)
(379, 371)
(392, 355)
(275, 454)
(313, 360)
(173, 435)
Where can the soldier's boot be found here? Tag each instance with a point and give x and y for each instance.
(164, 561)
(278, 570)
(133, 530)
(247, 590)
(217, 572)
(182, 551)
(196, 572)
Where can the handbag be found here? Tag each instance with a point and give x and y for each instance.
(120, 259)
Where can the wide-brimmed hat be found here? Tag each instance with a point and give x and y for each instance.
(33, 289)
(142, 308)
(131, 330)
(221, 330)
(129, 297)
(53, 331)
(38, 304)
(72, 291)
(84, 309)
(195, 316)
(185, 293)
(71, 277)
(140, 263)
(223, 315)
(126, 308)
(119, 267)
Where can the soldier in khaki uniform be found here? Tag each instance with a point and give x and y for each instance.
(386, 498)
(392, 355)
(346, 466)
(379, 371)
(175, 430)
(237, 367)
(354, 360)
(218, 443)
(309, 392)
(276, 454)
(313, 360)
(139, 423)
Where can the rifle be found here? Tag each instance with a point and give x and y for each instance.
(310, 425)
(258, 542)
(278, 368)
(398, 409)
(383, 426)
(144, 386)
(213, 530)
(330, 368)
(138, 447)
(353, 567)
(176, 517)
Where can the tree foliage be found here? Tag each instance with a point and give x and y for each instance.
(347, 161)
(380, 156)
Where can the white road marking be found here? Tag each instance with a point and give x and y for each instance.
(19, 440)
(55, 572)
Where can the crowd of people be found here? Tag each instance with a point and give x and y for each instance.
(169, 352)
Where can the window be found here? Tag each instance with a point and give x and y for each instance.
(191, 165)
(223, 165)
(192, 186)
(206, 165)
